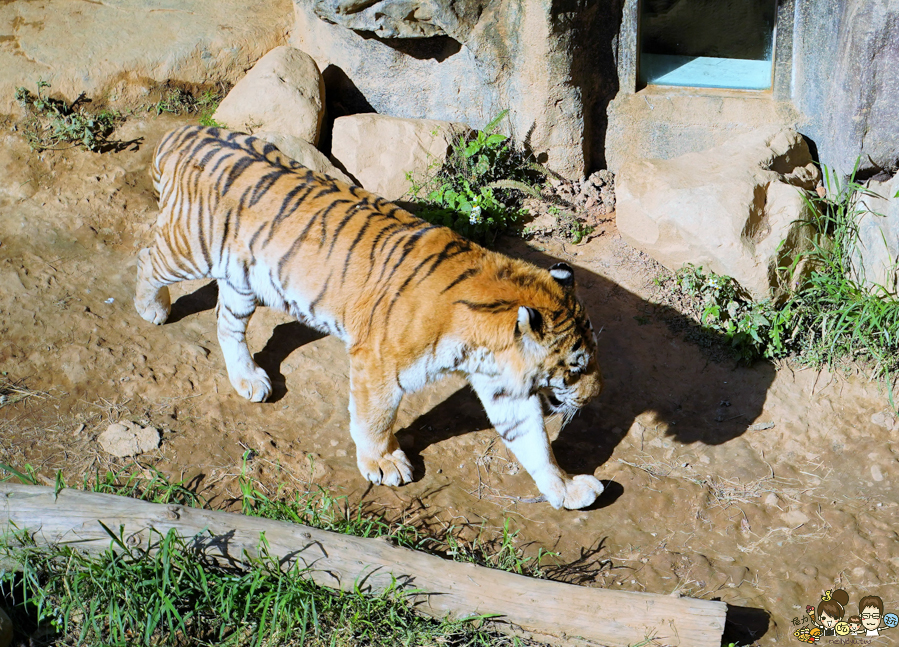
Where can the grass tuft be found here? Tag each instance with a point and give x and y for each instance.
(178, 101)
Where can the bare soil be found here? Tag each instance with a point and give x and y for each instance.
(761, 486)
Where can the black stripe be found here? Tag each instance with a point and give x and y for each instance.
(263, 186)
(492, 307)
(349, 254)
(351, 212)
(458, 247)
(464, 276)
(319, 296)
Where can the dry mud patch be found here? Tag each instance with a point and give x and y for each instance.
(762, 486)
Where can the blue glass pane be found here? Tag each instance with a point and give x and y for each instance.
(707, 43)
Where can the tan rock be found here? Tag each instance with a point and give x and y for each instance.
(128, 439)
(378, 150)
(728, 209)
(117, 50)
(283, 93)
(305, 153)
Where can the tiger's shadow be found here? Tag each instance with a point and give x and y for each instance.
(657, 384)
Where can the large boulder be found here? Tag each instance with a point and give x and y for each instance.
(283, 93)
(379, 151)
(304, 153)
(733, 209)
(117, 51)
(467, 62)
(875, 256)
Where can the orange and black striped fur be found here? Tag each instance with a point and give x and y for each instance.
(411, 300)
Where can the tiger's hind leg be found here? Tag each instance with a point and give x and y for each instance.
(151, 293)
(234, 309)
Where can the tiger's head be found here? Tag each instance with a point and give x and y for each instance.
(558, 344)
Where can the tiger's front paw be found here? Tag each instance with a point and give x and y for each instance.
(253, 383)
(390, 469)
(573, 493)
(581, 491)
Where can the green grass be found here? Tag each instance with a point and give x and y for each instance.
(479, 188)
(51, 124)
(831, 318)
(173, 594)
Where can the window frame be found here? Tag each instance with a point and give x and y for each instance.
(628, 50)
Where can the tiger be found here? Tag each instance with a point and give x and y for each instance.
(412, 301)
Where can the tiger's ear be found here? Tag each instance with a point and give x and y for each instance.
(530, 322)
(563, 274)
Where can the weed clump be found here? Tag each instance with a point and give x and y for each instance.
(830, 318)
(479, 189)
(53, 123)
(178, 101)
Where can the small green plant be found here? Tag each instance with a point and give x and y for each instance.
(724, 308)
(53, 123)
(835, 315)
(478, 190)
(178, 101)
(568, 225)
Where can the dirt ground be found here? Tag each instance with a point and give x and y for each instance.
(761, 486)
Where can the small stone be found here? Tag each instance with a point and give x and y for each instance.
(795, 518)
(128, 439)
(876, 474)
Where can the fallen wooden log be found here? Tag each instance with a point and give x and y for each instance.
(551, 611)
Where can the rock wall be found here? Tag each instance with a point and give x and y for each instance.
(846, 80)
(548, 61)
(116, 50)
(875, 259)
